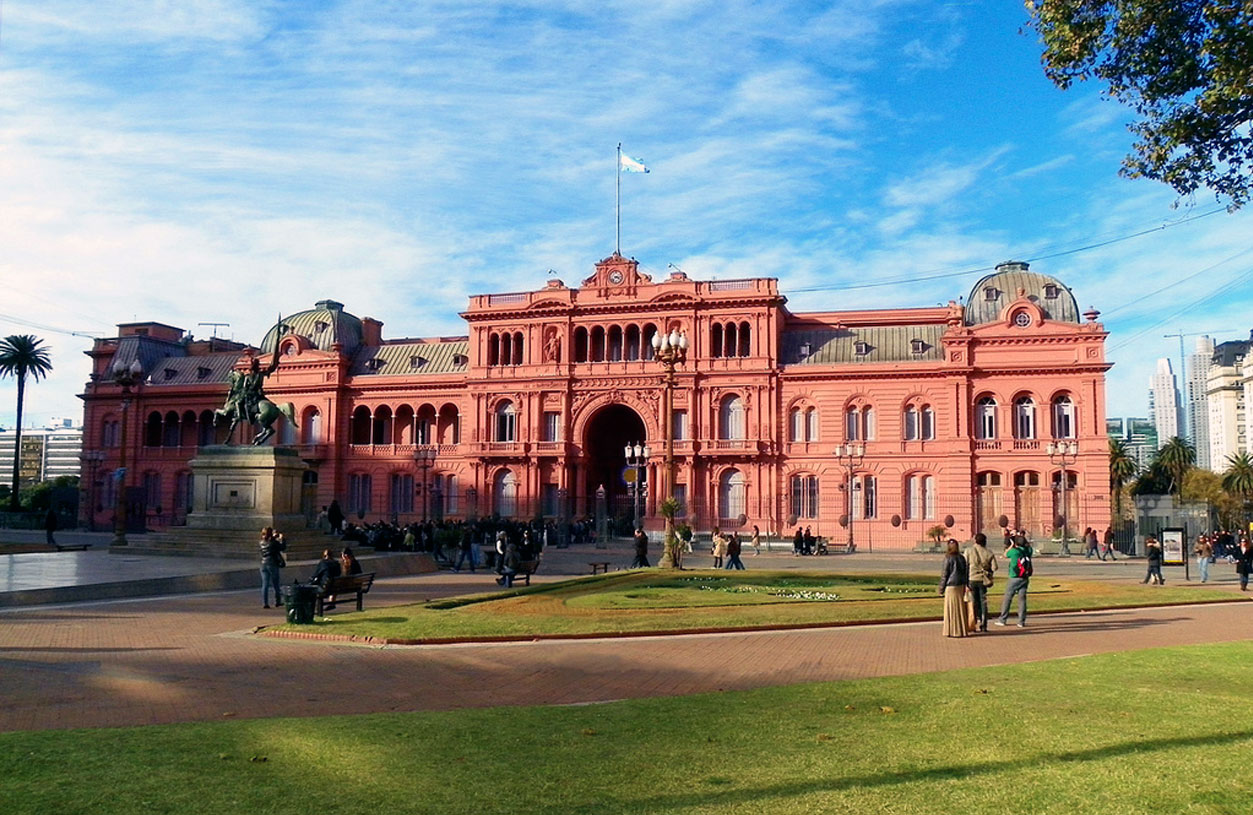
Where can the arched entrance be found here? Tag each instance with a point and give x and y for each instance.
(608, 433)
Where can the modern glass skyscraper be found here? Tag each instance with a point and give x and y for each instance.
(1164, 402)
(1197, 404)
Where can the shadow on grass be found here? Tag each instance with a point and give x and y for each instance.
(711, 796)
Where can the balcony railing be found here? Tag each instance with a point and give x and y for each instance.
(987, 444)
(1026, 444)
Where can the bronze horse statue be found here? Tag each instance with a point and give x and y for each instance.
(262, 413)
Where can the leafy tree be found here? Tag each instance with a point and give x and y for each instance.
(1122, 468)
(1184, 66)
(22, 355)
(1238, 478)
(1177, 456)
(1154, 480)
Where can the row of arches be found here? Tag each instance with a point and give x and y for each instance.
(918, 497)
(404, 425)
(1063, 422)
(731, 339)
(614, 343)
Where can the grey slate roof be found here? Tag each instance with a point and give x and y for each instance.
(411, 358)
(206, 369)
(838, 346)
(1005, 283)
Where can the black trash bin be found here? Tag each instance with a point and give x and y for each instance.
(300, 602)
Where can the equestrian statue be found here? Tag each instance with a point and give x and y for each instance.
(246, 399)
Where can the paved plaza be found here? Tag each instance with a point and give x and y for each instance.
(192, 657)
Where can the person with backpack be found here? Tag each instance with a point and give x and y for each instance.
(1020, 570)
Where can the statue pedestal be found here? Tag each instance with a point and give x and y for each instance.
(242, 489)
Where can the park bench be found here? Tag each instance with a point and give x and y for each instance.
(599, 566)
(526, 568)
(343, 585)
(72, 547)
(842, 547)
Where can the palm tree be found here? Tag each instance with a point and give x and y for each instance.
(22, 355)
(1177, 456)
(1122, 468)
(1238, 478)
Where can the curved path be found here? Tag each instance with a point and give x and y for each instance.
(190, 658)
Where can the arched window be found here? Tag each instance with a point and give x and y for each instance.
(109, 432)
(360, 428)
(715, 340)
(852, 424)
(360, 494)
(646, 336)
(1063, 418)
(811, 424)
(912, 430)
(493, 349)
(928, 423)
(169, 430)
(401, 493)
(804, 496)
(730, 341)
(183, 492)
(580, 344)
(746, 339)
(615, 343)
(506, 422)
(506, 349)
(1024, 418)
(506, 494)
(868, 432)
(732, 418)
(381, 428)
(985, 418)
(206, 433)
(519, 357)
(311, 426)
(920, 497)
(286, 431)
(796, 421)
(152, 492)
(732, 495)
(152, 430)
(598, 344)
(632, 342)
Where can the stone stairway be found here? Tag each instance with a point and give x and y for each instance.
(304, 544)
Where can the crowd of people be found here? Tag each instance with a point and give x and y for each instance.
(967, 575)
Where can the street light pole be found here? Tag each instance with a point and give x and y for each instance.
(92, 458)
(637, 459)
(1060, 454)
(850, 457)
(126, 376)
(424, 457)
(670, 350)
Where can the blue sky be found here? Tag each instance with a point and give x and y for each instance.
(225, 160)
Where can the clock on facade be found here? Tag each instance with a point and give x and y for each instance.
(615, 277)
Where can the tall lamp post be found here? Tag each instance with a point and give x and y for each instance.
(637, 458)
(1060, 454)
(671, 351)
(92, 458)
(126, 376)
(424, 457)
(850, 457)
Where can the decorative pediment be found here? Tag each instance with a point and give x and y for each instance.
(617, 275)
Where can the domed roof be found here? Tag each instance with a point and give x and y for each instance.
(989, 297)
(324, 325)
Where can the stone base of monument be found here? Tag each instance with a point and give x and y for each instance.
(236, 492)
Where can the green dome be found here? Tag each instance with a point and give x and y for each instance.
(989, 297)
(324, 325)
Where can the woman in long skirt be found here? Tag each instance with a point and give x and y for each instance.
(954, 579)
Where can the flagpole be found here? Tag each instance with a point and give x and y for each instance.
(617, 235)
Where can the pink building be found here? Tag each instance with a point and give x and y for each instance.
(529, 413)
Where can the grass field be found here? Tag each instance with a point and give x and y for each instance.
(652, 600)
(1161, 731)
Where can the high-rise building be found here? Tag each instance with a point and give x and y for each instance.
(1197, 402)
(1227, 392)
(46, 454)
(1138, 435)
(1164, 402)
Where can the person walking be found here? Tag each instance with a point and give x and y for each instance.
(1244, 563)
(734, 547)
(50, 527)
(798, 543)
(272, 547)
(1107, 544)
(1153, 553)
(954, 579)
(465, 550)
(641, 550)
(335, 517)
(1204, 557)
(755, 541)
(981, 565)
(1018, 555)
(1089, 543)
(718, 548)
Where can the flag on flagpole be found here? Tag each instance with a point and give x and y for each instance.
(631, 165)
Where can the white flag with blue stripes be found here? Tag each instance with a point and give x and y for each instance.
(631, 165)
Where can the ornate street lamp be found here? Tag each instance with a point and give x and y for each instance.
(637, 459)
(424, 457)
(126, 376)
(850, 457)
(92, 458)
(671, 351)
(1060, 454)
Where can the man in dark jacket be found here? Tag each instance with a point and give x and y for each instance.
(641, 550)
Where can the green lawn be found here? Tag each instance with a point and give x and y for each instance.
(1161, 731)
(653, 600)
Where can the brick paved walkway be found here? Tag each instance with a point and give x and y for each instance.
(189, 658)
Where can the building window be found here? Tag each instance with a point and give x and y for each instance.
(732, 495)
(811, 424)
(852, 425)
(912, 432)
(183, 492)
(1063, 418)
(1024, 418)
(506, 423)
(985, 418)
(990, 293)
(552, 426)
(680, 427)
(796, 425)
(861, 348)
(867, 424)
(506, 494)
(732, 418)
(865, 497)
(805, 496)
(920, 497)
(680, 498)
(360, 486)
(152, 491)
(917, 346)
(928, 423)
(402, 493)
(1051, 291)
